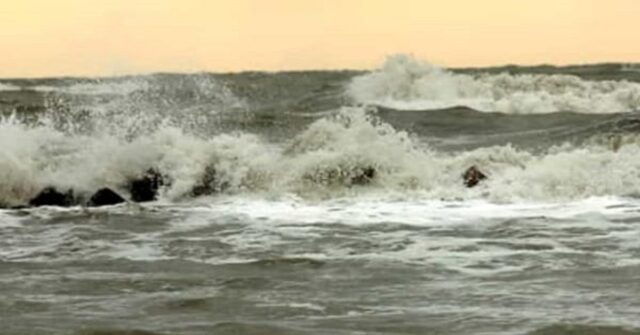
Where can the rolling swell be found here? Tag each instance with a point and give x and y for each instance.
(462, 128)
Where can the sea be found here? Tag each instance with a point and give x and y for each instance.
(330, 202)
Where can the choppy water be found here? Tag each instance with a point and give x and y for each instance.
(291, 241)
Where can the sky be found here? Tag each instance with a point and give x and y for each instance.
(40, 38)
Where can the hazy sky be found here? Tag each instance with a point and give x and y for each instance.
(105, 37)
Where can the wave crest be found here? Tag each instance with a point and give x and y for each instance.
(406, 83)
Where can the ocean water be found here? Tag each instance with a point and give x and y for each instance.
(295, 234)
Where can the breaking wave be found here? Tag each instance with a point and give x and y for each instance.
(406, 83)
(347, 153)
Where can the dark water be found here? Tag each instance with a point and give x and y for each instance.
(289, 243)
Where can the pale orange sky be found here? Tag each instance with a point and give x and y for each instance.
(107, 37)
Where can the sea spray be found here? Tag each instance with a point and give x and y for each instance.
(325, 159)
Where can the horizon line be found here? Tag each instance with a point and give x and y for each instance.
(301, 70)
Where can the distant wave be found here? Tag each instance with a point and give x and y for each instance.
(406, 83)
(122, 87)
(631, 68)
(9, 87)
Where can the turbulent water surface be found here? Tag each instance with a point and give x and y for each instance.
(326, 202)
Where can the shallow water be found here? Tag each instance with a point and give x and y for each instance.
(288, 266)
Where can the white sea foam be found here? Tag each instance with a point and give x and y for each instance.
(495, 232)
(376, 208)
(406, 83)
(282, 224)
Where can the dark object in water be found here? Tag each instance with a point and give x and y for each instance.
(49, 196)
(146, 187)
(363, 176)
(344, 176)
(105, 197)
(615, 141)
(119, 332)
(473, 176)
(207, 184)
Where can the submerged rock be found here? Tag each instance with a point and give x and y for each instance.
(105, 197)
(146, 187)
(337, 175)
(363, 176)
(615, 142)
(473, 176)
(49, 196)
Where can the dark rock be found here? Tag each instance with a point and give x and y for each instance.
(52, 197)
(615, 141)
(146, 187)
(105, 197)
(473, 176)
(363, 176)
(207, 184)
